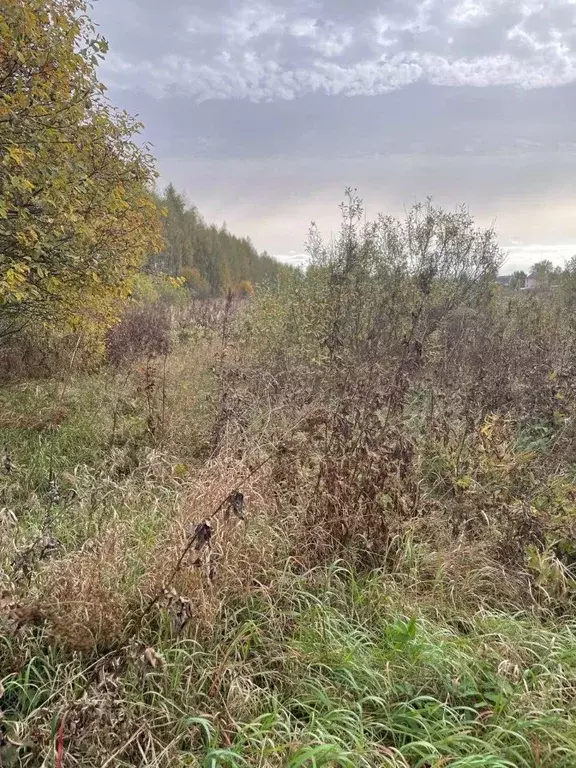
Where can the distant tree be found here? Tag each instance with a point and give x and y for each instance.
(76, 214)
(198, 286)
(568, 287)
(210, 258)
(244, 289)
(543, 269)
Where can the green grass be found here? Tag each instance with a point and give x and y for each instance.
(320, 670)
(81, 438)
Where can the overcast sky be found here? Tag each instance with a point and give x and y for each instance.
(263, 111)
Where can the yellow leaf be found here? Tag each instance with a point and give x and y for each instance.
(17, 154)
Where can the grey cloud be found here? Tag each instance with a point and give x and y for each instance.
(263, 49)
(268, 168)
(419, 119)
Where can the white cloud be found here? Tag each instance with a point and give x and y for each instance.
(326, 38)
(281, 50)
(293, 258)
(333, 42)
(468, 12)
(252, 21)
(255, 77)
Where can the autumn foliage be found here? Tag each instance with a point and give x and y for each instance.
(76, 213)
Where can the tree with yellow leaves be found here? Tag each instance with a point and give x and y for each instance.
(77, 216)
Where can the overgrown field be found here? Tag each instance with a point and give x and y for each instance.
(330, 525)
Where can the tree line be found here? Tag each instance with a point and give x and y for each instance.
(209, 258)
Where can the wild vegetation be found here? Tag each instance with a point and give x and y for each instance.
(325, 521)
(75, 211)
(328, 525)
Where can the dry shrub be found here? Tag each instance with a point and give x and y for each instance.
(465, 573)
(225, 556)
(142, 333)
(486, 482)
(348, 477)
(379, 464)
(100, 596)
(99, 726)
(206, 315)
(514, 357)
(49, 418)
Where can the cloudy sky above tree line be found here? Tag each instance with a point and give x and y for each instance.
(262, 111)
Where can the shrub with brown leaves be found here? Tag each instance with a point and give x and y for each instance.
(142, 333)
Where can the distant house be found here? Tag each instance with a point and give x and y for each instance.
(531, 282)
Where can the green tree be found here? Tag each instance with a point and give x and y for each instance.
(196, 283)
(244, 289)
(76, 214)
(211, 258)
(544, 271)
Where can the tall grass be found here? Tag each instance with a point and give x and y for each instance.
(322, 669)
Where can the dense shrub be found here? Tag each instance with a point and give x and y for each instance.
(427, 381)
(142, 333)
